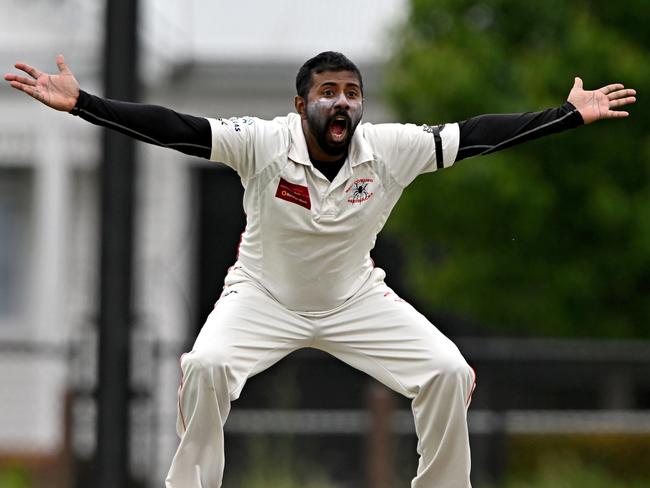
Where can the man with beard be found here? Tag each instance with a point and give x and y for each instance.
(319, 186)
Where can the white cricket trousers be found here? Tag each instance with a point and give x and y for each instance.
(374, 331)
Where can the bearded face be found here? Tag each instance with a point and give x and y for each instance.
(333, 110)
(332, 128)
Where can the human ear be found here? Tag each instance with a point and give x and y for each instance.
(299, 103)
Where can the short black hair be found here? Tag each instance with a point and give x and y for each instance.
(325, 61)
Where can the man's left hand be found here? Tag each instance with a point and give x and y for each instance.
(599, 104)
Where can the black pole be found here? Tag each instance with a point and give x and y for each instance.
(116, 250)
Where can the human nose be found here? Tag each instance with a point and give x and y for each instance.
(342, 102)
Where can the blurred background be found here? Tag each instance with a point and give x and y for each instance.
(536, 261)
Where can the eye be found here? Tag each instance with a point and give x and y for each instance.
(328, 92)
(353, 94)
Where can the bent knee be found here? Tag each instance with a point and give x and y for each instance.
(212, 369)
(199, 361)
(461, 375)
(453, 370)
(456, 366)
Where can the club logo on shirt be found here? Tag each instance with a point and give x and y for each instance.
(237, 122)
(432, 129)
(293, 193)
(360, 190)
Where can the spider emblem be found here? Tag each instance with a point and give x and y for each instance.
(359, 191)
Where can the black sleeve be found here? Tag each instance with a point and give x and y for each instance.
(148, 123)
(486, 134)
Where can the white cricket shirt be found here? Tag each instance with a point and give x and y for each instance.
(307, 240)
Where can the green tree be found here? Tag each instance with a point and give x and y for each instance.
(551, 237)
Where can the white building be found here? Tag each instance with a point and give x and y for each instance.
(206, 57)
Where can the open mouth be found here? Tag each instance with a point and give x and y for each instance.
(339, 128)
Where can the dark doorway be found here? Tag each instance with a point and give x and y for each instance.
(221, 221)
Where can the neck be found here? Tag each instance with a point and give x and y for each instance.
(329, 168)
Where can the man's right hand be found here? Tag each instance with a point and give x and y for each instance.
(57, 91)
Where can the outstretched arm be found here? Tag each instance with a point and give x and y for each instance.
(486, 134)
(148, 123)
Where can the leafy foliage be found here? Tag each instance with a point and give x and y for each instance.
(571, 472)
(274, 463)
(551, 237)
(15, 477)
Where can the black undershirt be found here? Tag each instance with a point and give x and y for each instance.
(329, 168)
(192, 135)
(148, 123)
(485, 134)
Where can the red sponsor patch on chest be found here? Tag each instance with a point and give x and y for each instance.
(293, 193)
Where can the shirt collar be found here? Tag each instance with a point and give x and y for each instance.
(360, 150)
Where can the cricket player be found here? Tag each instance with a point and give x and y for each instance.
(319, 186)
